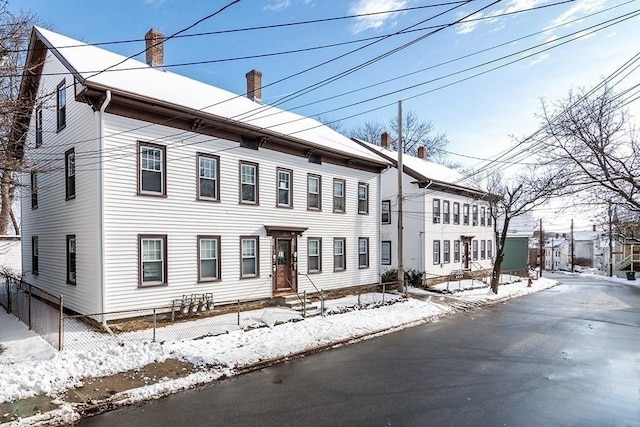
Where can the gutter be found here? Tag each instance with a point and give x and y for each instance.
(101, 233)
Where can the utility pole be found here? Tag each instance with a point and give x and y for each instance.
(403, 286)
(553, 253)
(572, 247)
(610, 241)
(541, 252)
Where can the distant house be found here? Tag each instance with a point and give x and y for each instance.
(557, 255)
(147, 185)
(448, 224)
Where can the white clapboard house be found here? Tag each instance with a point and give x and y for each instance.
(447, 223)
(147, 185)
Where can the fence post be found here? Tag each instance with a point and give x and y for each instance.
(304, 303)
(321, 303)
(238, 312)
(154, 326)
(384, 291)
(60, 324)
(29, 312)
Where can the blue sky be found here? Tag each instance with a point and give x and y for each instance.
(478, 115)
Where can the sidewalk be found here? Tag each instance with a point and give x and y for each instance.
(45, 387)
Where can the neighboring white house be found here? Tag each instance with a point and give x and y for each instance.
(10, 255)
(557, 255)
(447, 224)
(147, 186)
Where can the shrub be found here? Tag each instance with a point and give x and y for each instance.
(389, 275)
(414, 277)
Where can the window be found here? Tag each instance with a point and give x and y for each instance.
(363, 252)
(70, 174)
(483, 249)
(152, 169)
(456, 251)
(153, 260)
(445, 212)
(248, 183)
(436, 211)
(456, 213)
(314, 254)
(34, 190)
(338, 195)
(363, 198)
(314, 192)
(208, 177)
(71, 259)
(465, 214)
(385, 251)
(284, 188)
(386, 211)
(61, 105)
(483, 215)
(436, 251)
(339, 260)
(34, 255)
(474, 215)
(446, 256)
(249, 256)
(489, 249)
(475, 250)
(208, 258)
(490, 217)
(38, 126)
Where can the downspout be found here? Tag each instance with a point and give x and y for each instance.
(101, 233)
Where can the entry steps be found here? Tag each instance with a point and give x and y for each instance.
(295, 302)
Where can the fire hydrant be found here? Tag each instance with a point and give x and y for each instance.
(529, 282)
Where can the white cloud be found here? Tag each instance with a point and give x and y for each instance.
(472, 23)
(277, 5)
(582, 7)
(540, 58)
(154, 2)
(361, 7)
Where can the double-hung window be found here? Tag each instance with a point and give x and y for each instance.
(61, 106)
(285, 199)
(249, 256)
(456, 251)
(71, 259)
(445, 212)
(456, 213)
(363, 252)
(314, 192)
(70, 174)
(208, 177)
(39, 126)
(34, 255)
(446, 256)
(436, 251)
(339, 255)
(436, 211)
(208, 258)
(483, 215)
(314, 255)
(483, 249)
(152, 165)
(475, 249)
(386, 211)
(489, 249)
(465, 214)
(385, 252)
(248, 183)
(153, 260)
(490, 217)
(34, 190)
(363, 198)
(338, 195)
(474, 215)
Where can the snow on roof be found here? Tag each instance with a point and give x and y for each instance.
(136, 77)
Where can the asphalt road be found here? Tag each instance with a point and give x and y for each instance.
(567, 356)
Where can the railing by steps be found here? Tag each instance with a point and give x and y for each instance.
(627, 261)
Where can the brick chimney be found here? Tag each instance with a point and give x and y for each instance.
(254, 86)
(155, 48)
(422, 153)
(385, 140)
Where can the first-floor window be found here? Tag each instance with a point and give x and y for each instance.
(436, 251)
(70, 174)
(475, 250)
(153, 260)
(209, 258)
(314, 249)
(339, 262)
(385, 252)
(483, 249)
(445, 251)
(34, 255)
(249, 255)
(363, 252)
(456, 251)
(71, 259)
(489, 249)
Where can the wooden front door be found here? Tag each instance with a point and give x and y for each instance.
(284, 265)
(466, 254)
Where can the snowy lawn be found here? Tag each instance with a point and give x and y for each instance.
(29, 366)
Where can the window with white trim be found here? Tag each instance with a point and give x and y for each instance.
(436, 211)
(70, 174)
(483, 216)
(456, 213)
(153, 260)
(338, 195)
(456, 251)
(474, 215)
(284, 188)
(445, 212)
(248, 183)
(465, 214)
(152, 169)
(385, 252)
(363, 252)
(446, 256)
(339, 260)
(39, 123)
(436, 251)
(475, 249)
(489, 249)
(386, 211)
(208, 177)
(483, 249)
(208, 258)
(314, 255)
(363, 198)
(314, 192)
(249, 255)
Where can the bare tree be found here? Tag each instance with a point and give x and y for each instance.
(515, 197)
(14, 38)
(370, 131)
(591, 137)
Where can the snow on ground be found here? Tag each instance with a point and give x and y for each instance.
(29, 366)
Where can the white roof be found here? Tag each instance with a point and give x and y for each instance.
(137, 77)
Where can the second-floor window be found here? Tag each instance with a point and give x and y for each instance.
(445, 212)
(71, 259)
(248, 183)
(70, 174)
(34, 190)
(34, 255)
(456, 213)
(284, 188)
(61, 105)
(465, 214)
(152, 169)
(490, 217)
(39, 126)
(474, 215)
(483, 215)
(338, 195)
(363, 198)
(314, 192)
(436, 211)
(386, 211)
(208, 177)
